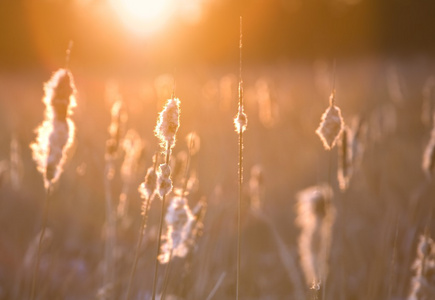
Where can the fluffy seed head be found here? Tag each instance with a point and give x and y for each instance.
(331, 125)
(315, 217)
(164, 182)
(179, 220)
(56, 133)
(168, 123)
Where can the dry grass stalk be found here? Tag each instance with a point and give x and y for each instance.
(331, 125)
(423, 282)
(133, 147)
(429, 154)
(166, 130)
(147, 189)
(54, 138)
(116, 129)
(240, 122)
(315, 217)
(113, 145)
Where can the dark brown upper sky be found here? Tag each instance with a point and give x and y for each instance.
(35, 33)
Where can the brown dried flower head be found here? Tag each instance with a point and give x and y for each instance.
(331, 125)
(56, 133)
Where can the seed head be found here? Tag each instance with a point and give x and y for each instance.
(168, 123)
(315, 218)
(331, 125)
(164, 182)
(179, 220)
(56, 133)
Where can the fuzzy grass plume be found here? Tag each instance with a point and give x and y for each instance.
(168, 123)
(56, 133)
(166, 130)
(315, 217)
(423, 282)
(331, 125)
(179, 220)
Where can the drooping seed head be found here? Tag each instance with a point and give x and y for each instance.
(56, 133)
(168, 123)
(331, 125)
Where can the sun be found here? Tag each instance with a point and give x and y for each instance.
(143, 16)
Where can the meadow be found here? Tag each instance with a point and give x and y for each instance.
(379, 218)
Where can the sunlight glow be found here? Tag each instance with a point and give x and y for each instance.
(143, 16)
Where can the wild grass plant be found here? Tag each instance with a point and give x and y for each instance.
(352, 238)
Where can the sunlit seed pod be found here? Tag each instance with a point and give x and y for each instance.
(56, 133)
(168, 123)
(315, 217)
(331, 125)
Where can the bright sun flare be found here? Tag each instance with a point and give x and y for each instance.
(143, 16)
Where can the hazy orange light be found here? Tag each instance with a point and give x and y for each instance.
(143, 17)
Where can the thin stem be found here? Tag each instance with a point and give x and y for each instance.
(139, 243)
(166, 277)
(162, 217)
(216, 286)
(239, 207)
(110, 227)
(323, 275)
(41, 237)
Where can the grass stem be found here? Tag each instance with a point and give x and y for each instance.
(41, 237)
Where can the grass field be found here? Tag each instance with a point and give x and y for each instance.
(389, 202)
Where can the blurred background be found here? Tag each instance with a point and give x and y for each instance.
(134, 51)
(178, 33)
